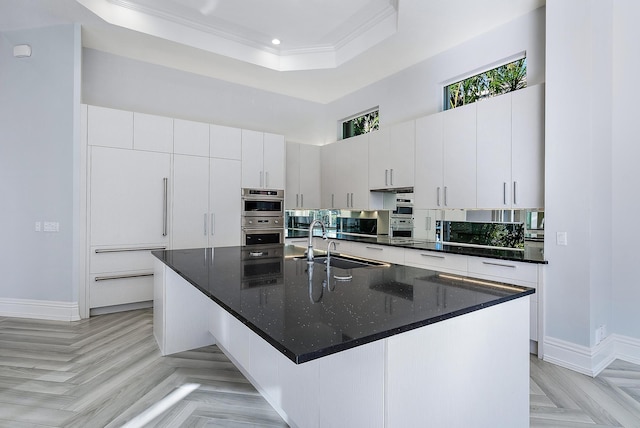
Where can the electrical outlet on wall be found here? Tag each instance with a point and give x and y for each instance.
(601, 333)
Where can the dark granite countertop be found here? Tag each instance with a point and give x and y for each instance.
(528, 255)
(308, 313)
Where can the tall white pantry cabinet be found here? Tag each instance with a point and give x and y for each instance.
(152, 183)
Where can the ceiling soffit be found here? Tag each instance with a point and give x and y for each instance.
(321, 34)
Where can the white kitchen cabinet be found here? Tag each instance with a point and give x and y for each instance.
(328, 182)
(391, 156)
(352, 173)
(429, 163)
(191, 138)
(443, 262)
(109, 127)
(263, 160)
(303, 176)
(206, 202)
(128, 216)
(383, 253)
(459, 154)
(527, 147)
(225, 202)
(226, 142)
(152, 133)
(494, 152)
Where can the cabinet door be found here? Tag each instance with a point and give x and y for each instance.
(292, 188)
(109, 127)
(190, 138)
(428, 187)
(225, 142)
(190, 219)
(274, 161)
(527, 146)
(152, 133)
(328, 175)
(352, 173)
(252, 159)
(401, 153)
(459, 142)
(494, 152)
(379, 159)
(128, 203)
(225, 203)
(309, 176)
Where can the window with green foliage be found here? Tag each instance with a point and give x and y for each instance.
(361, 124)
(500, 80)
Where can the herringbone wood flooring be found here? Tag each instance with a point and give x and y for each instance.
(106, 370)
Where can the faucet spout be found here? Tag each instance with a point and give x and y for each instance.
(335, 247)
(310, 244)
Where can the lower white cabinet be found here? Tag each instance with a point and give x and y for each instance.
(443, 262)
(383, 253)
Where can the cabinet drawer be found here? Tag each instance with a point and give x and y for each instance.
(504, 270)
(437, 261)
(121, 259)
(379, 252)
(120, 288)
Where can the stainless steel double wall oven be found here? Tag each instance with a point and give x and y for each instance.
(262, 216)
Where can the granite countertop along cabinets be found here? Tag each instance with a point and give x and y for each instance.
(529, 255)
(306, 311)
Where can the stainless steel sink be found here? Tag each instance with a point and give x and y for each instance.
(343, 262)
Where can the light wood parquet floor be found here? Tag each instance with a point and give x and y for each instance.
(104, 371)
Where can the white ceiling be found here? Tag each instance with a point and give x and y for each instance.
(329, 47)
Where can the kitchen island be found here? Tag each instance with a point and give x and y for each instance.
(378, 346)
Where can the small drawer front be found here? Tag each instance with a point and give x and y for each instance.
(504, 270)
(437, 261)
(121, 259)
(121, 288)
(379, 252)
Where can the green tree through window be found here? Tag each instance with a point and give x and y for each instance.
(500, 80)
(360, 125)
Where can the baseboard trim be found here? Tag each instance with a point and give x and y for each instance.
(591, 361)
(40, 309)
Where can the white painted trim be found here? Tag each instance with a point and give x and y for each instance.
(591, 361)
(40, 309)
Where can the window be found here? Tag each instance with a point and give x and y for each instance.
(500, 80)
(361, 124)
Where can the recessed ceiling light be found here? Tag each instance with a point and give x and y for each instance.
(275, 41)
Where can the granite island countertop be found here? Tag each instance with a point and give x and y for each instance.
(307, 312)
(529, 255)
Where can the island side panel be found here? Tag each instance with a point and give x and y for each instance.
(472, 370)
(186, 313)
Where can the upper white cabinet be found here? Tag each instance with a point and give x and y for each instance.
(226, 142)
(109, 127)
(263, 160)
(190, 138)
(391, 156)
(494, 152)
(527, 147)
(428, 162)
(351, 178)
(459, 154)
(328, 187)
(152, 133)
(303, 176)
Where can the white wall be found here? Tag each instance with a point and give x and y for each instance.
(418, 90)
(578, 170)
(117, 82)
(38, 124)
(626, 173)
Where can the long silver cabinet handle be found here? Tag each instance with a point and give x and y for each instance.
(515, 192)
(499, 264)
(213, 223)
(438, 195)
(165, 208)
(352, 200)
(297, 200)
(445, 196)
(301, 200)
(120, 250)
(332, 202)
(266, 179)
(504, 193)
(133, 275)
(386, 177)
(391, 176)
(432, 256)
(205, 224)
(375, 248)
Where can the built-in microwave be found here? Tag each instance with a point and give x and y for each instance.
(262, 236)
(262, 203)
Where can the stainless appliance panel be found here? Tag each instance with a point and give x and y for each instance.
(262, 236)
(262, 222)
(260, 202)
